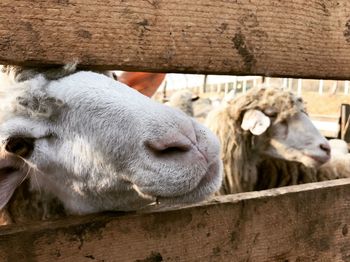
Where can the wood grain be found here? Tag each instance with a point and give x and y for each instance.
(300, 223)
(299, 38)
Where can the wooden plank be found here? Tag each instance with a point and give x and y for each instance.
(299, 223)
(259, 37)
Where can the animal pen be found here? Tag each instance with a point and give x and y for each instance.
(298, 38)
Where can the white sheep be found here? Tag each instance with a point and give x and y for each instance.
(96, 144)
(260, 127)
(183, 100)
(338, 146)
(339, 164)
(192, 105)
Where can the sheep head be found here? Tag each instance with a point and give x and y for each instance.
(183, 100)
(264, 123)
(276, 123)
(97, 144)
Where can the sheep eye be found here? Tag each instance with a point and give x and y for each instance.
(21, 146)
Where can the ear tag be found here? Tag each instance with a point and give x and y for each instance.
(255, 121)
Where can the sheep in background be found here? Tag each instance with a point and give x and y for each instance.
(265, 123)
(338, 146)
(193, 105)
(74, 137)
(339, 164)
(201, 108)
(183, 100)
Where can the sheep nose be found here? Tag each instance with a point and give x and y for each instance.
(170, 144)
(325, 147)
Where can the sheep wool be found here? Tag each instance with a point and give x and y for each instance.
(237, 144)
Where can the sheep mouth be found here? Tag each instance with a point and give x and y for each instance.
(320, 160)
(207, 186)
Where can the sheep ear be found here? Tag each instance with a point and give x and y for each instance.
(255, 121)
(9, 181)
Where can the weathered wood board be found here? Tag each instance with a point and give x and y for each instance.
(260, 37)
(299, 223)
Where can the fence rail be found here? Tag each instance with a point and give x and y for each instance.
(306, 39)
(300, 223)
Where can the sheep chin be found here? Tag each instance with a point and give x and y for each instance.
(207, 187)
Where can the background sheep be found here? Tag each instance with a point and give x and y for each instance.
(259, 126)
(201, 108)
(183, 100)
(338, 146)
(75, 138)
(339, 164)
(193, 105)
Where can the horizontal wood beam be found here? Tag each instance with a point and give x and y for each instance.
(299, 223)
(298, 38)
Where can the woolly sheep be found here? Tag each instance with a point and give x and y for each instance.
(338, 146)
(192, 105)
(183, 101)
(95, 144)
(261, 125)
(339, 164)
(201, 108)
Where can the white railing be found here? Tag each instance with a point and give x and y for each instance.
(223, 84)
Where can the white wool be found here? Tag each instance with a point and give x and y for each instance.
(257, 127)
(97, 140)
(182, 100)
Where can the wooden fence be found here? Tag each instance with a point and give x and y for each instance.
(298, 38)
(300, 223)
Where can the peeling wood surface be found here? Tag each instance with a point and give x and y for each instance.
(299, 223)
(262, 37)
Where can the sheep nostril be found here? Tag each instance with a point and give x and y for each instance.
(168, 148)
(21, 146)
(174, 149)
(325, 147)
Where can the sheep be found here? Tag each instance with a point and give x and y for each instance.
(183, 101)
(339, 164)
(259, 127)
(192, 105)
(94, 144)
(201, 108)
(338, 146)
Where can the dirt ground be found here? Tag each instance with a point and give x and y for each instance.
(325, 104)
